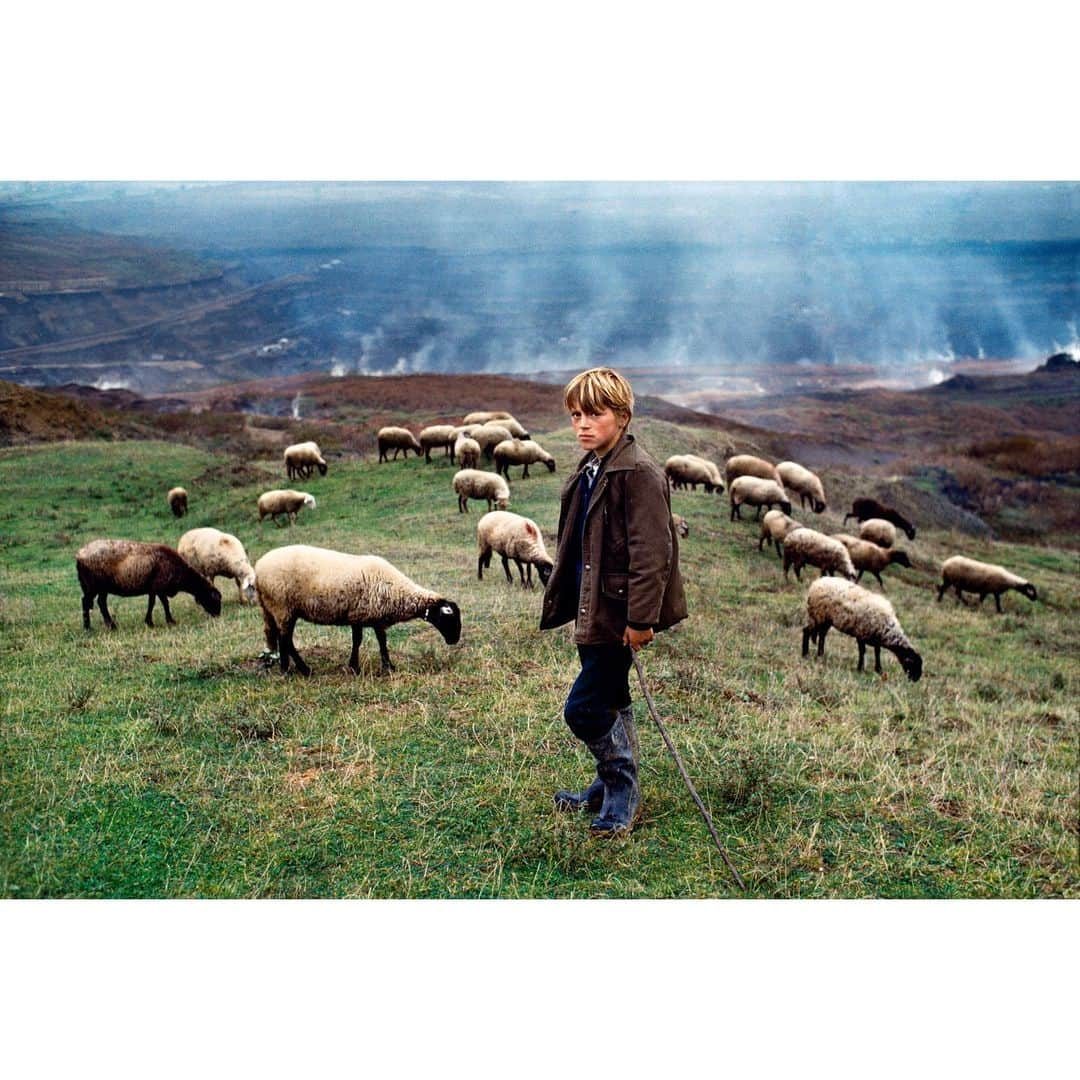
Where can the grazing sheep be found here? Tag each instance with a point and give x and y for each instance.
(484, 417)
(520, 452)
(131, 568)
(755, 491)
(284, 501)
(865, 616)
(219, 554)
(969, 575)
(804, 483)
(775, 525)
(513, 537)
(687, 470)
(476, 484)
(331, 588)
(749, 465)
(865, 508)
(302, 459)
(177, 499)
(489, 436)
(438, 435)
(682, 526)
(868, 556)
(878, 531)
(397, 439)
(804, 545)
(467, 451)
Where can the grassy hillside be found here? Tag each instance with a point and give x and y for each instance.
(173, 762)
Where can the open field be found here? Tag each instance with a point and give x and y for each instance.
(173, 762)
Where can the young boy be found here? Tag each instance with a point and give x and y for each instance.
(617, 576)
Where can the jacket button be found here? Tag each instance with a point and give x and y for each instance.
(587, 566)
(582, 611)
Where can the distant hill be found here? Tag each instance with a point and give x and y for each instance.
(31, 416)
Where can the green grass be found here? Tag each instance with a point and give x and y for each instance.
(172, 762)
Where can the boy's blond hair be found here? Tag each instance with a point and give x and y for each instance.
(597, 389)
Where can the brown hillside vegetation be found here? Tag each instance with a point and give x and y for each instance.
(31, 416)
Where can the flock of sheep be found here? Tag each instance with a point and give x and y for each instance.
(327, 587)
(837, 601)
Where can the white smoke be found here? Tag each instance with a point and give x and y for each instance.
(296, 407)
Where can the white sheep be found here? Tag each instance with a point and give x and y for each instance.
(775, 525)
(520, 452)
(749, 465)
(863, 615)
(483, 417)
(970, 575)
(756, 491)
(438, 435)
(868, 556)
(214, 554)
(284, 501)
(467, 451)
(878, 531)
(489, 436)
(302, 459)
(398, 439)
(688, 470)
(804, 483)
(805, 545)
(177, 499)
(682, 526)
(477, 484)
(513, 537)
(332, 588)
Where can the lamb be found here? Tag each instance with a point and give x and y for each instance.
(513, 537)
(397, 439)
(132, 568)
(866, 555)
(970, 575)
(755, 491)
(863, 509)
(775, 525)
(865, 616)
(438, 435)
(804, 545)
(749, 465)
(804, 483)
(284, 501)
(177, 499)
(682, 526)
(219, 554)
(687, 470)
(302, 459)
(489, 436)
(477, 484)
(331, 588)
(878, 531)
(520, 452)
(467, 451)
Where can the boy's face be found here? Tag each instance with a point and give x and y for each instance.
(598, 432)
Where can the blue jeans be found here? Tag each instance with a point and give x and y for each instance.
(602, 688)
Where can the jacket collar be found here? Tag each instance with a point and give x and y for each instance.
(621, 456)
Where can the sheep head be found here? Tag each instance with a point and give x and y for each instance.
(445, 616)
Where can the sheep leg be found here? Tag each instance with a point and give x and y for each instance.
(807, 634)
(168, 614)
(858, 577)
(761, 541)
(877, 659)
(288, 649)
(354, 657)
(779, 549)
(879, 581)
(862, 655)
(270, 631)
(997, 601)
(822, 631)
(149, 620)
(506, 569)
(524, 473)
(384, 652)
(757, 516)
(735, 511)
(482, 563)
(941, 591)
(87, 607)
(528, 583)
(110, 622)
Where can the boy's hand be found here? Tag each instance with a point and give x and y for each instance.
(637, 639)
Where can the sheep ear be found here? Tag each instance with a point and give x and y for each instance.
(531, 530)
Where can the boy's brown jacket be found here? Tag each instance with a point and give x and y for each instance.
(630, 552)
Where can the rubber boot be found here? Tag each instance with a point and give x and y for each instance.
(592, 798)
(616, 765)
